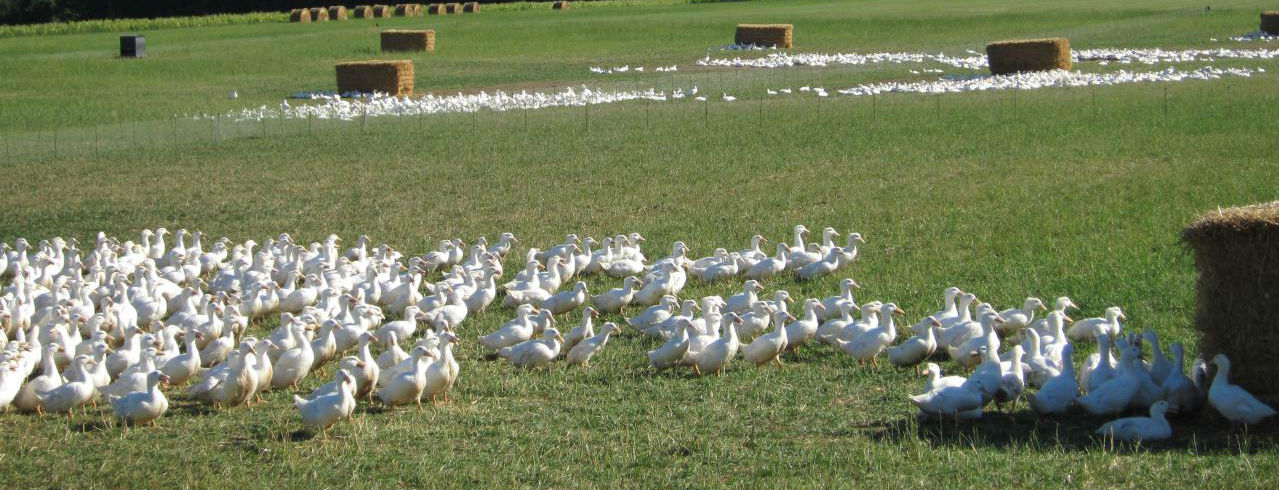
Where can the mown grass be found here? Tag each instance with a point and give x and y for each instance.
(1042, 193)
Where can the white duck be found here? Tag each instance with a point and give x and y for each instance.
(717, 354)
(1059, 392)
(1233, 402)
(655, 314)
(1134, 429)
(566, 301)
(28, 396)
(757, 320)
(441, 373)
(580, 332)
(867, 346)
(950, 312)
(832, 262)
(1160, 366)
(582, 352)
(406, 387)
(294, 364)
(935, 380)
(513, 332)
(534, 353)
(917, 348)
(770, 266)
(142, 407)
(1088, 328)
(1017, 318)
(68, 396)
(768, 347)
(846, 287)
(952, 402)
(1115, 394)
(673, 352)
(804, 329)
(741, 302)
(1182, 394)
(180, 368)
(1099, 367)
(1060, 305)
(614, 300)
(323, 411)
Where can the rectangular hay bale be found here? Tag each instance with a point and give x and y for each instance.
(561, 5)
(1028, 55)
(408, 40)
(337, 12)
(774, 35)
(471, 7)
(1236, 251)
(362, 12)
(394, 77)
(300, 15)
(1270, 22)
(319, 14)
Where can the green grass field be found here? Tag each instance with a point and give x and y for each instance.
(1080, 192)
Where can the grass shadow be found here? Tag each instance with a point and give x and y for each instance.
(1199, 433)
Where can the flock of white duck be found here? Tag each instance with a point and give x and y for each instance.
(125, 319)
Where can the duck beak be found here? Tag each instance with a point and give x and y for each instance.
(1043, 308)
(898, 311)
(1123, 317)
(1069, 319)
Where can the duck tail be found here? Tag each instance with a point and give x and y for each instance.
(299, 401)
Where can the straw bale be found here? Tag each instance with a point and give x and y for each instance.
(300, 15)
(408, 40)
(1270, 22)
(1236, 251)
(337, 12)
(773, 35)
(1028, 55)
(394, 77)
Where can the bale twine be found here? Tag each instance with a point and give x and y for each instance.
(453, 8)
(362, 12)
(319, 14)
(1237, 310)
(337, 12)
(775, 35)
(1028, 55)
(435, 9)
(471, 7)
(408, 40)
(382, 11)
(1270, 22)
(561, 5)
(394, 77)
(300, 15)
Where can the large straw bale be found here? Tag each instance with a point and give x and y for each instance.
(1028, 55)
(769, 35)
(471, 7)
(561, 5)
(362, 12)
(337, 12)
(1270, 22)
(1237, 310)
(394, 77)
(319, 14)
(408, 40)
(383, 11)
(300, 15)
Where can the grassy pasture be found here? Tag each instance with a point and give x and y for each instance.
(1039, 193)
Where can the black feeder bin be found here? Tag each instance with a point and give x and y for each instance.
(133, 46)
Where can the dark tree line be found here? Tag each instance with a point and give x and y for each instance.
(34, 11)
